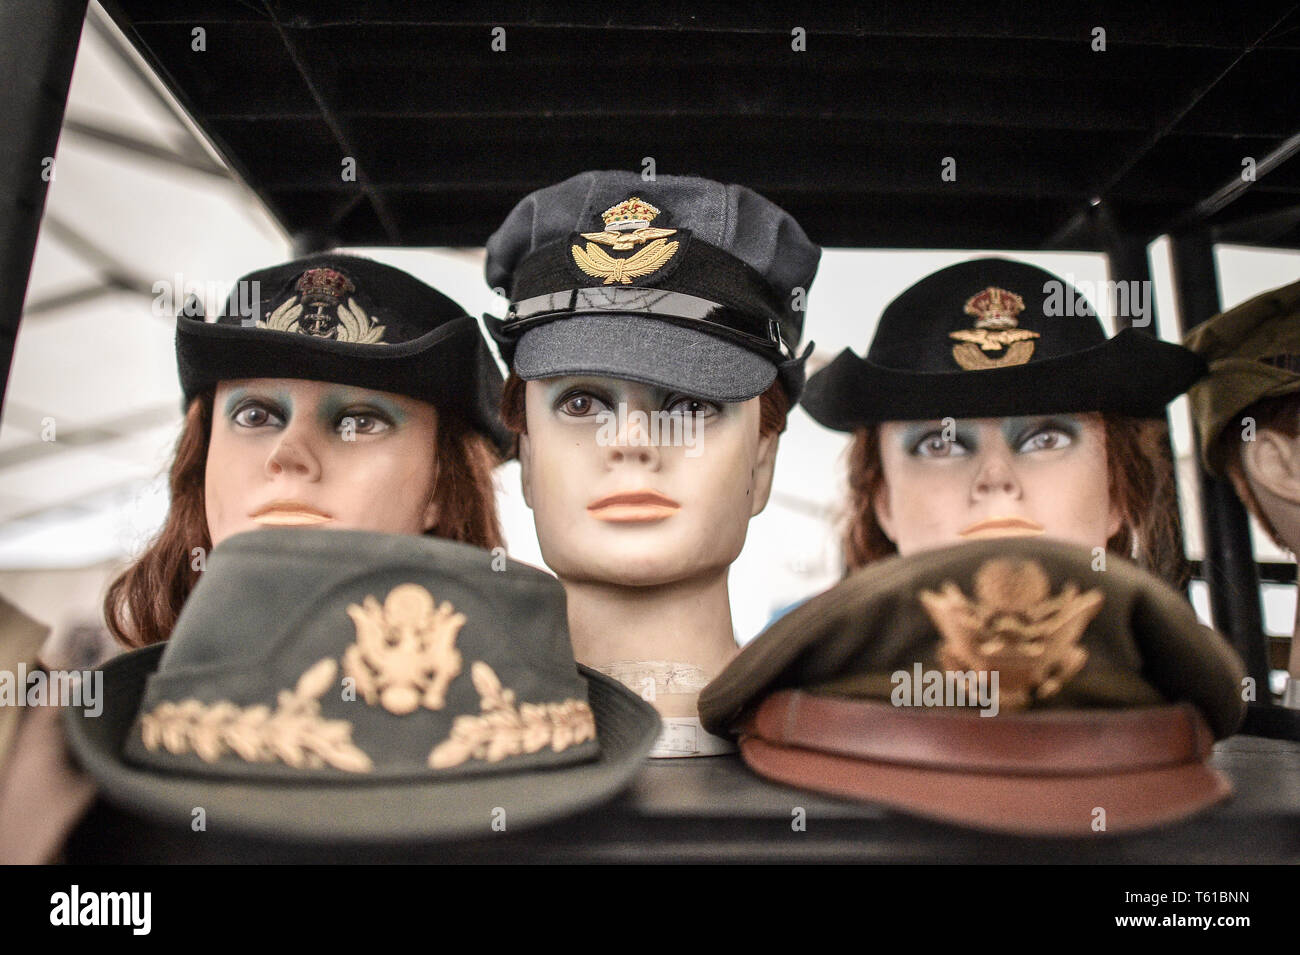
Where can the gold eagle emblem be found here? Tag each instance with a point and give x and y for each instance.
(598, 263)
(1014, 626)
(405, 655)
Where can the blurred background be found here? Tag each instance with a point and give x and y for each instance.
(140, 198)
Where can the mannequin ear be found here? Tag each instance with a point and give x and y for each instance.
(431, 514)
(526, 468)
(1114, 522)
(884, 514)
(433, 510)
(764, 468)
(1272, 461)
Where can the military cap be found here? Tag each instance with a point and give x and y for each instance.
(995, 338)
(351, 320)
(1003, 685)
(678, 282)
(1253, 352)
(351, 686)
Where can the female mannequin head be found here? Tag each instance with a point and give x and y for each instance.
(324, 446)
(1029, 423)
(1101, 485)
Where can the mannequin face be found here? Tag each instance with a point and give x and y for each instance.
(332, 455)
(992, 477)
(613, 506)
(1271, 464)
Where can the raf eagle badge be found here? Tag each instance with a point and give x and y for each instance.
(994, 311)
(626, 226)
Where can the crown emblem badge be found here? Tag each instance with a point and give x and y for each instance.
(994, 311)
(627, 225)
(324, 308)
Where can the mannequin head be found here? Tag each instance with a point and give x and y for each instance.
(1265, 470)
(991, 402)
(1090, 478)
(332, 391)
(580, 453)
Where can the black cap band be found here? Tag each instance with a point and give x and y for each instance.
(680, 308)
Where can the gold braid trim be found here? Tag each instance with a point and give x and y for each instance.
(294, 733)
(506, 729)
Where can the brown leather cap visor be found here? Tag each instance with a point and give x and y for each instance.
(1044, 773)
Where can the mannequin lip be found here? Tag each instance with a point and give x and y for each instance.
(289, 514)
(1003, 527)
(633, 507)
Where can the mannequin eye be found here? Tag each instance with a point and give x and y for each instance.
(1046, 439)
(580, 404)
(365, 422)
(695, 407)
(935, 445)
(256, 415)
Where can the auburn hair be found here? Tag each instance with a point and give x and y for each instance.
(773, 407)
(1141, 485)
(145, 600)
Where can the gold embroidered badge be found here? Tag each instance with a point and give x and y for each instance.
(626, 225)
(405, 655)
(994, 311)
(1014, 626)
(508, 729)
(323, 292)
(294, 732)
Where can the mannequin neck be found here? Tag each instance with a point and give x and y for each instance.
(686, 621)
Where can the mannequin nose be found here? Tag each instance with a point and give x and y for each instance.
(293, 456)
(995, 477)
(633, 444)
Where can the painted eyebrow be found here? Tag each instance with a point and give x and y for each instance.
(334, 401)
(913, 433)
(238, 395)
(1013, 429)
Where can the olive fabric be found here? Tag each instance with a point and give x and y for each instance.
(994, 338)
(1076, 650)
(1253, 351)
(355, 686)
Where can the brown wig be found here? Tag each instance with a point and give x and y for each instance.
(773, 407)
(145, 600)
(1281, 414)
(1141, 485)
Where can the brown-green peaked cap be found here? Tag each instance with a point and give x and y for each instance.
(1144, 647)
(1057, 700)
(1253, 351)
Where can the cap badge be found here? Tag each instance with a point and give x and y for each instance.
(994, 311)
(322, 312)
(626, 226)
(405, 655)
(1014, 626)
